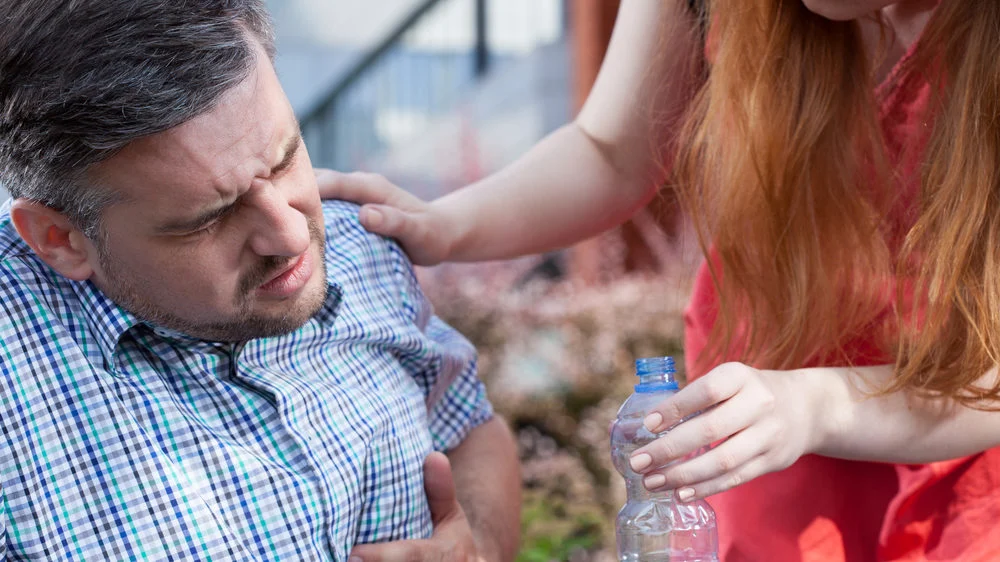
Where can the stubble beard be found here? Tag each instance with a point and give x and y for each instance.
(246, 323)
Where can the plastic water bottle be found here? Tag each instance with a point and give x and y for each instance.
(655, 527)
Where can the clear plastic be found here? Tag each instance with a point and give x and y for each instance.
(655, 527)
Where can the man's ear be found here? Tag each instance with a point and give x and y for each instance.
(54, 238)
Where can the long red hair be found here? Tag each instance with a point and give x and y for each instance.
(782, 166)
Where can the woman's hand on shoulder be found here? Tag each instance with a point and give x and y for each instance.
(391, 211)
(761, 421)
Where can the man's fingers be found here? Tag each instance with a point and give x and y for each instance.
(440, 488)
(452, 539)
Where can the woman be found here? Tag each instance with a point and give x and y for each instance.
(841, 159)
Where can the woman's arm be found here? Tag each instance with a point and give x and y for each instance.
(763, 421)
(902, 427)
(582, 179)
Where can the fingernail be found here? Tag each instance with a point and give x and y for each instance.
(640, 461)
(684, 494)
(654, 481)
(652, 421)
(372, 217)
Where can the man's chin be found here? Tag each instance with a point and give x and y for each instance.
(251, 324)
(271, 319)
(272, 324)
(249, 319)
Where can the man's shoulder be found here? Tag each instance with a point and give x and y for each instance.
(368, 268)
(348, 241)
(340, 215)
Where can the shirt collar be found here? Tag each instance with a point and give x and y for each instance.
(107, 320)
(110, 322)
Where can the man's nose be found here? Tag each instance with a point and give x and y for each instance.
(279, 229)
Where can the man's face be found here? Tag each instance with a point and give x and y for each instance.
(220, 231)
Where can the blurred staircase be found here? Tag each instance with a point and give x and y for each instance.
(456, 90)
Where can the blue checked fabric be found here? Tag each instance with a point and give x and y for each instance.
(124, 441)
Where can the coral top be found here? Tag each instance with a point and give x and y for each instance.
(825, 509)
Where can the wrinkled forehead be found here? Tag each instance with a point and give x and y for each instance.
(218, 143)
(211, 156)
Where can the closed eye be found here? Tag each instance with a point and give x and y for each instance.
(210, 226)
(291, 150)
(206, 221)
(207, 229)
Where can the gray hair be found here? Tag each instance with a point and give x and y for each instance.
(81, 79)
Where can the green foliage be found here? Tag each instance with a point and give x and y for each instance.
(557, 362)
(555, 529)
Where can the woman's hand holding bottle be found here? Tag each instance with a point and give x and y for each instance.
(762, 421)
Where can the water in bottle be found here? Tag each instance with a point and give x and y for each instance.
(655, 527)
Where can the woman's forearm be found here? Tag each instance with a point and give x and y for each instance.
(901, 427)
(557, 194)
(594, 173)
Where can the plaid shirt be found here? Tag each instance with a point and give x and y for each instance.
(125, 441)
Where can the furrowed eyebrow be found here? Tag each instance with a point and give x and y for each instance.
(189, 225)
(290, 151)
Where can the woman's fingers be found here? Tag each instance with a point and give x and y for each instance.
(362, 188)
(717, 386)
(757, 420)
(740, 413)
(390, 211)
(717, 424)
(728, 459)
(391, 222)
(357, 187)
(754, 468)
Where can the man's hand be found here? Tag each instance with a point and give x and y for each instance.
(452, 539)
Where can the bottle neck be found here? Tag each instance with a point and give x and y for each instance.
(656, 378)
(656, 382)
(656, 374)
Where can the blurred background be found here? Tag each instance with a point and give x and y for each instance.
(435, 94)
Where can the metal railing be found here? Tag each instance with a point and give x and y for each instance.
(420, 70)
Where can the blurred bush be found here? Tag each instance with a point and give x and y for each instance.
(557, 359)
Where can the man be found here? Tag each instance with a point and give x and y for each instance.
(198, 359)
